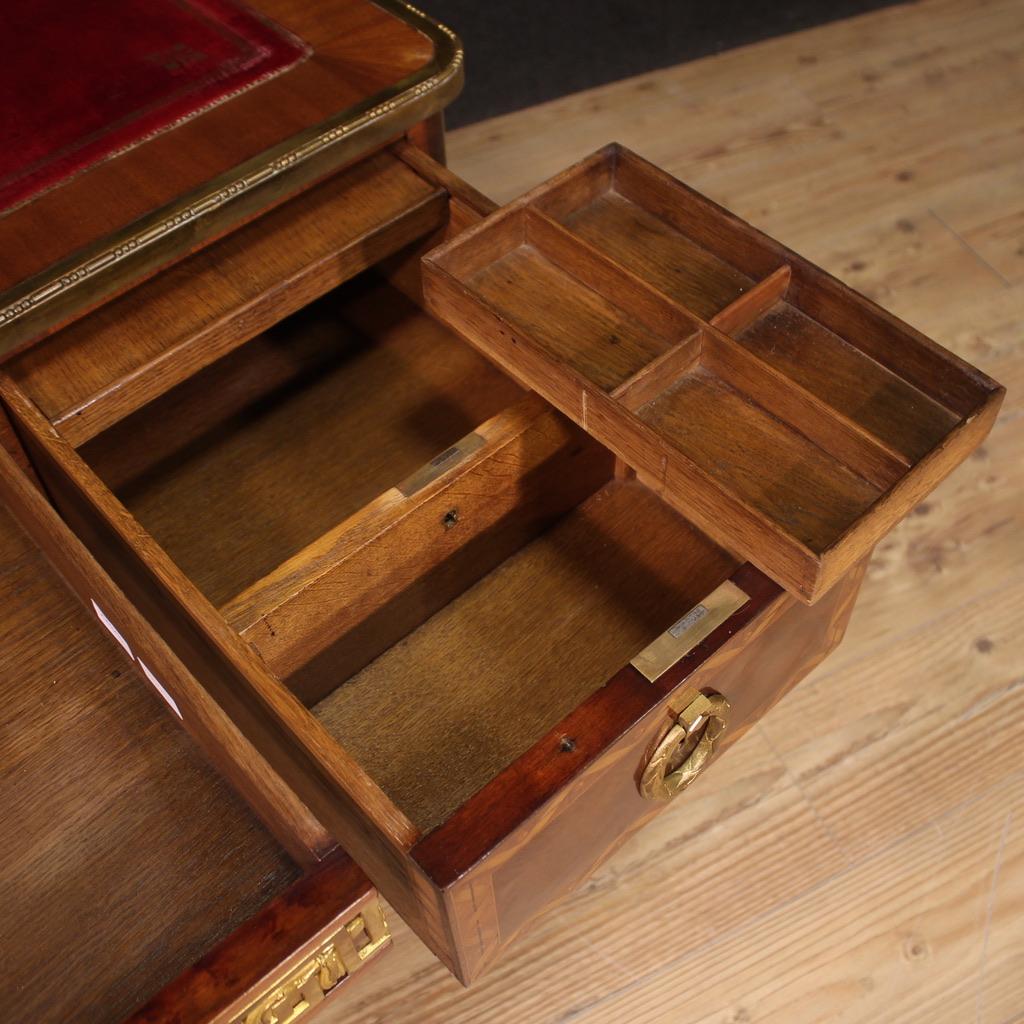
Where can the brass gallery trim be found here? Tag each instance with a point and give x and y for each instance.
(696, 625)
(307, 985)
(294, 162)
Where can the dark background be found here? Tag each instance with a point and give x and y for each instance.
(521, 52)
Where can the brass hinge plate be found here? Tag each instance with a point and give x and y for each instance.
(697, 624)
(449, 458)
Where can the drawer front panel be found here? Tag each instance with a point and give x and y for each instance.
(562, 842)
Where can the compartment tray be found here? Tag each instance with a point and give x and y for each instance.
(787, 416)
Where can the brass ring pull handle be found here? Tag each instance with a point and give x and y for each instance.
(684, 752)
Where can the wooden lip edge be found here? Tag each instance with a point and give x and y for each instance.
(89, 417)
(263, 947)
(365, 526)
(34, 307)
(209, 726)
(508, 801)
(438, 174)
(870, 527)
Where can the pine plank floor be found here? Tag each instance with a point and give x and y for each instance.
(860, 857)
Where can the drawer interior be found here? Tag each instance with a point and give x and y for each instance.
(780, 410)
(244, 464)
(442, 712)
(651, 226)
(463, 658)
(438, 565)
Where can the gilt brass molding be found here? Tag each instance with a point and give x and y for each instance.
(89, 276)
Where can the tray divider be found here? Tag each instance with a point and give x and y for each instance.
(786, 400)
(754, 303)
(660, 374)
(602, 274)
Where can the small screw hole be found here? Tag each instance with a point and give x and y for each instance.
(450, 518)
(568, 745)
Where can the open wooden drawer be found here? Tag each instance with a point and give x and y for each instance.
(401, 602)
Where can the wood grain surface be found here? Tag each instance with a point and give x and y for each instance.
(860, 856)
(256, 958)
(487, 676)
(141, 858)
(300, 412)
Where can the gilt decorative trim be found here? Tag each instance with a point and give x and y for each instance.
(307, 985)
(277, 167)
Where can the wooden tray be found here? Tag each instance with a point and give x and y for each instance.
(789, 417)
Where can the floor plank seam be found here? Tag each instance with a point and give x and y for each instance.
(970, 248)
(989, 907)
(798, 786)
(931, 825)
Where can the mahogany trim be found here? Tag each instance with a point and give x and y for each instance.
(232, 972)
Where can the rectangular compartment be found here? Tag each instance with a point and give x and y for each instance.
(250, 460)
(787, 416)
(617, 215)
(492, 672)
(572, 314)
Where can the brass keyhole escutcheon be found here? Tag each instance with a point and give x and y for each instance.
(686, 748)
